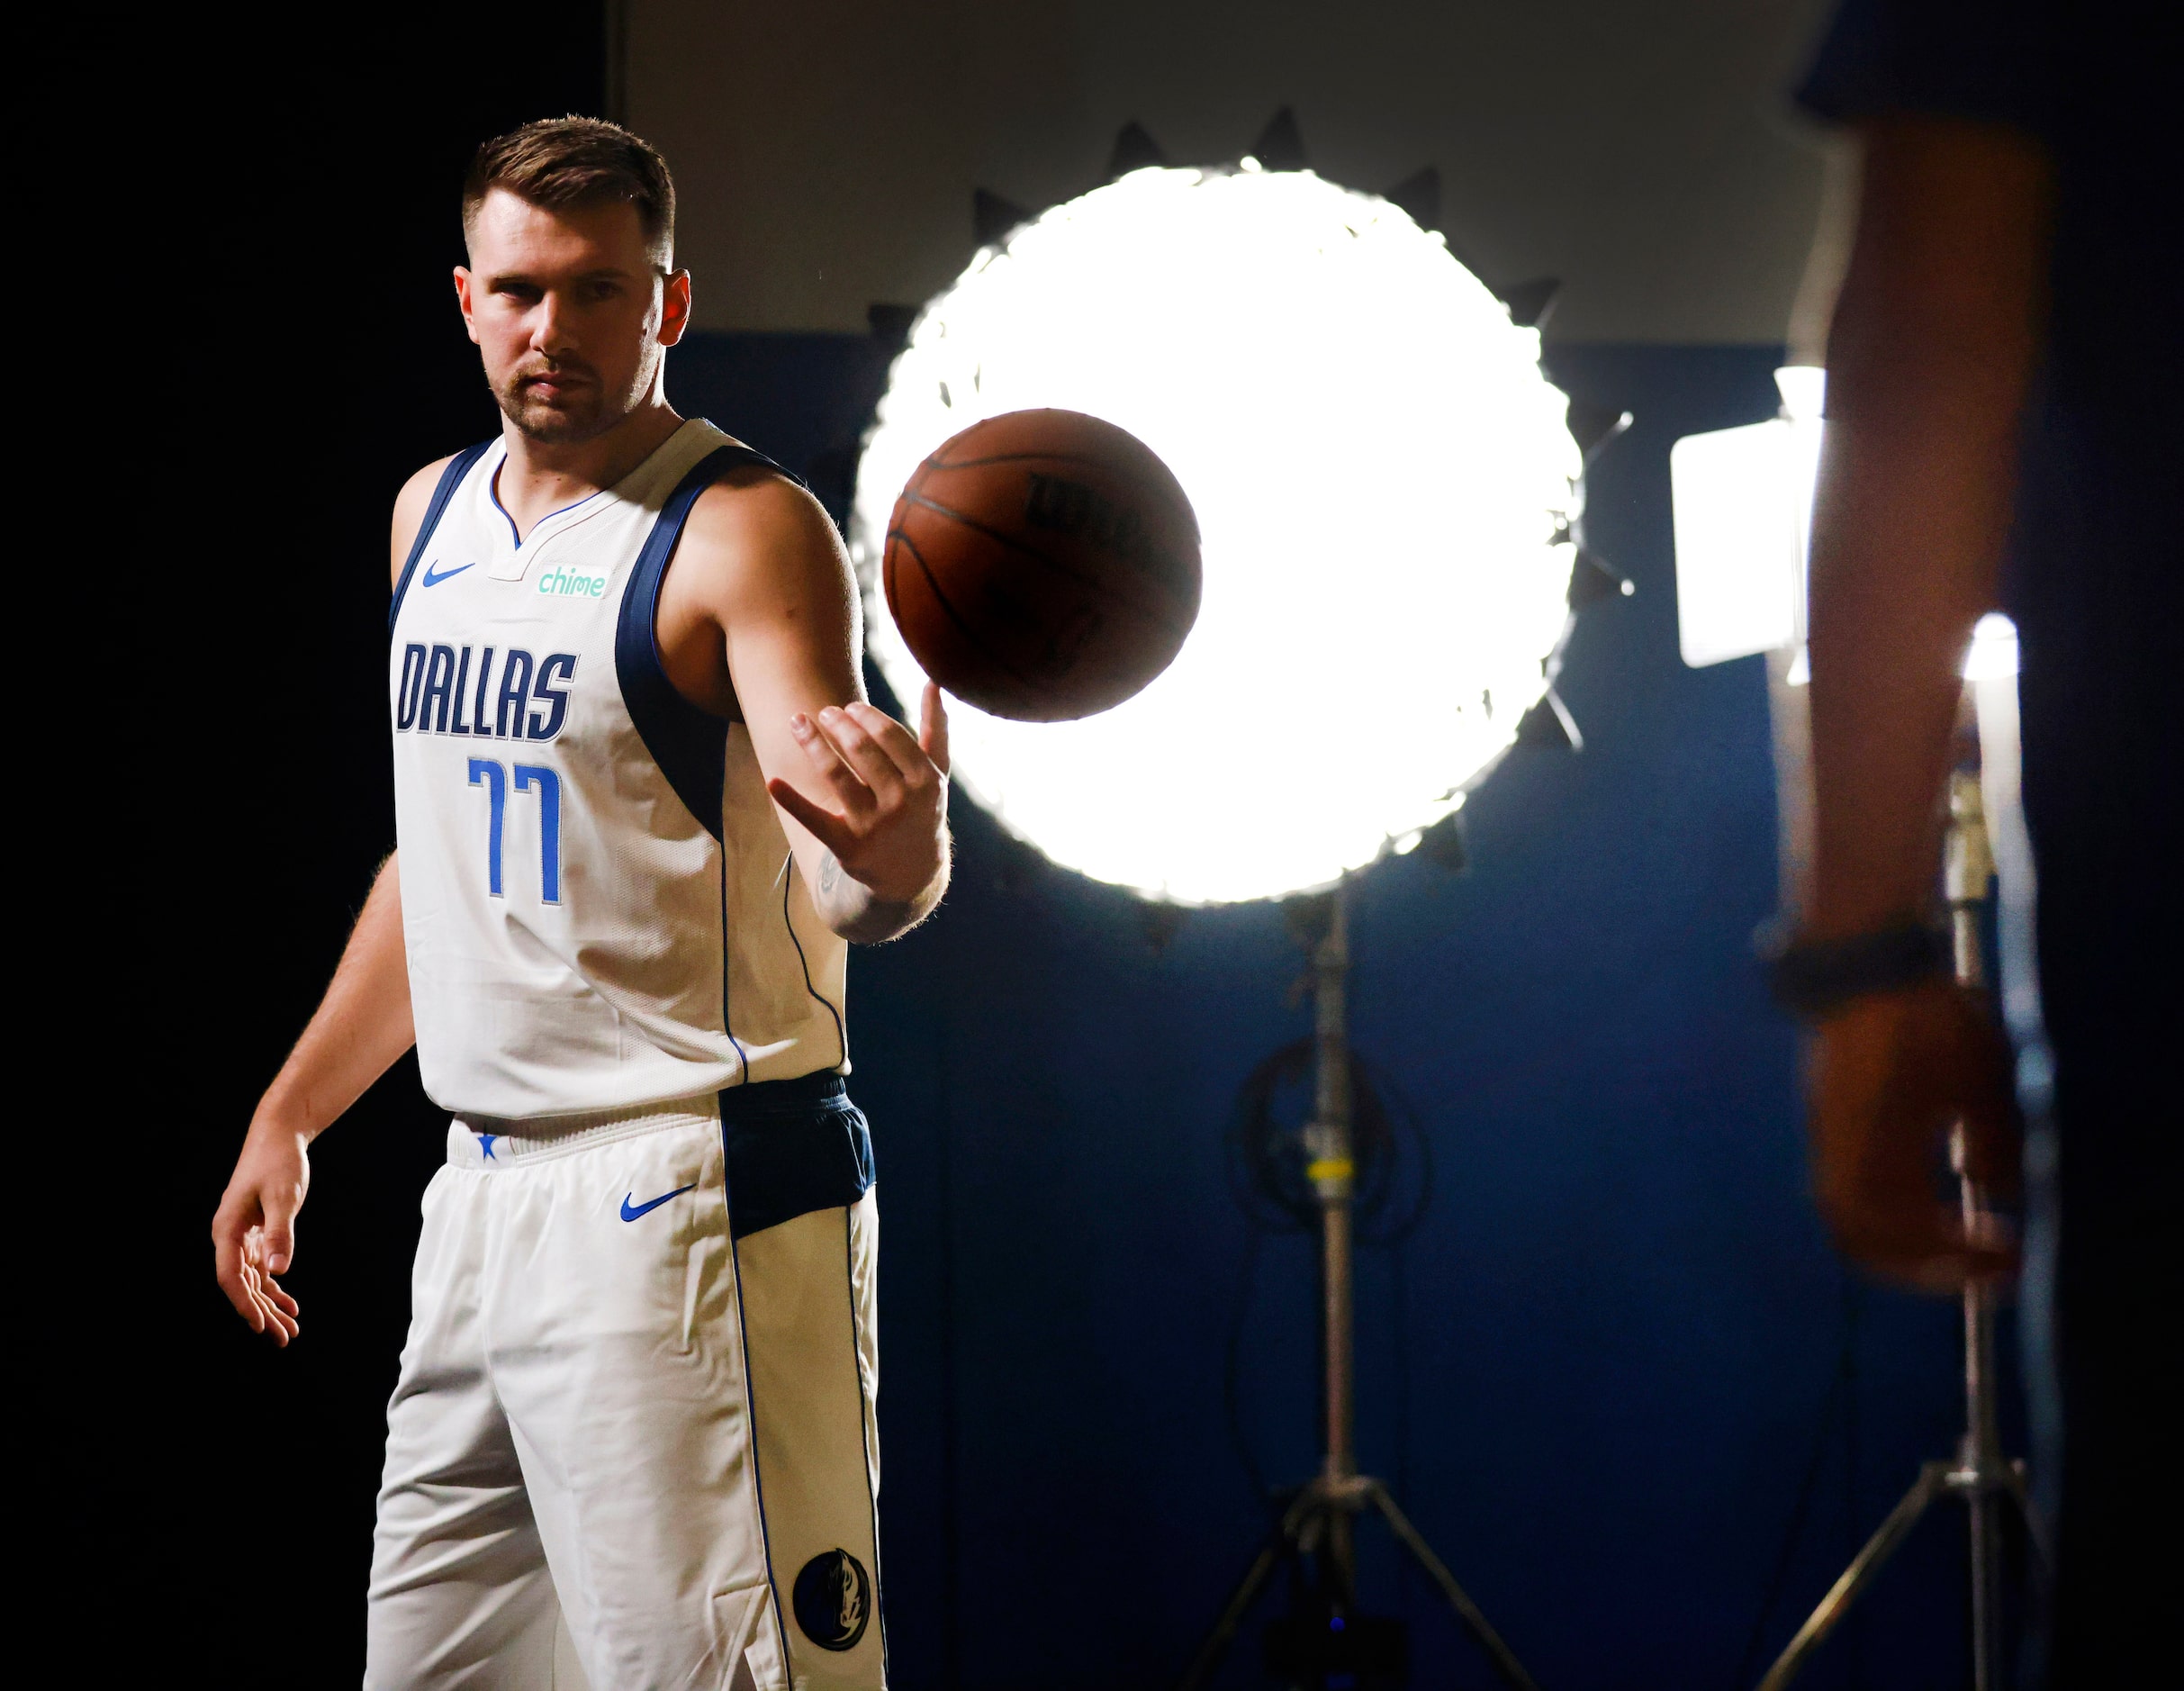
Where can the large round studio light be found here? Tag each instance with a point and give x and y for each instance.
(1381, 475)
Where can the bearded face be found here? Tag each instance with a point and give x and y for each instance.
(564, 400)
(567, 307)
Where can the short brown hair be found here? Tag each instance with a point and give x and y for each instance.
(565, 161)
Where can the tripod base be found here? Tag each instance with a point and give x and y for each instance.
(1978, 1485)
(1320, 1520)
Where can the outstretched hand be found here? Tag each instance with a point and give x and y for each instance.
(1892, 1074)
(254, 1231)
(887, 826)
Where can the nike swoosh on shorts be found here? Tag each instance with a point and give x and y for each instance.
(630, 1212)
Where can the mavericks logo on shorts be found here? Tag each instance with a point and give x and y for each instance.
(832, 1597)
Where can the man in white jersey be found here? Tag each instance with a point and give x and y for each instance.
(641, 804)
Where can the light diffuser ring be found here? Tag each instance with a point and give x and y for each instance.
(1384, 480)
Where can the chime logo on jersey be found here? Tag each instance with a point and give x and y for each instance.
(833, 1599)
(568, 583)
(528, 701)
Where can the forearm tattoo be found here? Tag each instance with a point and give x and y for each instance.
(849, 906)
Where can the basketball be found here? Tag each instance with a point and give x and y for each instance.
(1043, 566)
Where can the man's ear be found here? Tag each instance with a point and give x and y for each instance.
(674, 308)
(461, 296)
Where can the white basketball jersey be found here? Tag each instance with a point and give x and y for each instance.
(598, 901)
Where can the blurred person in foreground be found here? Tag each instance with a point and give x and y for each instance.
(2003, 391)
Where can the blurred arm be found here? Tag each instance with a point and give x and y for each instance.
(1934, 344)
(1934, 339)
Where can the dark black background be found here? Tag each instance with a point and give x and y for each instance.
(289, 351)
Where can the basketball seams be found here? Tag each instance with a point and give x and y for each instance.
(1171, 493)
(1118, 586)
(1091, 582)
(955, 617)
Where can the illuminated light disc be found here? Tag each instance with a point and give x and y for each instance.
(1379, 470)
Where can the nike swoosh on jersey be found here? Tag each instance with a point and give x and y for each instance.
(432, 580)
(630, 1211)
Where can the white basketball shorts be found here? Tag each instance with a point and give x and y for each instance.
(631, 1446)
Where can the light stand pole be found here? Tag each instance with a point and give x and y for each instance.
(1988, 1482)
(1321, 1521)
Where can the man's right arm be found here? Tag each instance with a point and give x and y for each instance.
(362, 1026)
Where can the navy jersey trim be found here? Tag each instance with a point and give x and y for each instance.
(514, 534)
(758, 1478)
(856, 1361)
(789, 922)
(788, 1157)
(689, 746)
(727, 1021)
(451, 478)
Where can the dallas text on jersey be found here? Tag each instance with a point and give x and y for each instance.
(436, 691)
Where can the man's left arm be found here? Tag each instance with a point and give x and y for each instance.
(759, 616)
(1936, 337)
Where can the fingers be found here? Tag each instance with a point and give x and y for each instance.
(932, 727)
(272, 1312)
(229, 1269)
(1892, 1075)
(830, 830)
(235, 1231)
(868, 760)
(276, 1249)
(276, 1311)
(881, 812)
(893, 740)
(877, 748)
(257, 1297)
(272, 1292)
(244, 1252)
(276, 1234)
(826, 763)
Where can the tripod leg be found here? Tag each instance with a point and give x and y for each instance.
(1283, 1537)
(1855, 1577)
(1984, 1513)
(1216, 1644)
(2036, 1529)
(1505, 1661)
